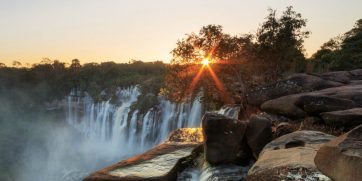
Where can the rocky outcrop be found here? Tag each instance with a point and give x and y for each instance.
(258, 133)
(315, 104)
(341, 158)
(311, 103)
(345, 118)
(289, 157)
(338, 76)
(294, 84)
(163, 162)
(224, 139)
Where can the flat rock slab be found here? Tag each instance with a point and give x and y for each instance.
(161, 163)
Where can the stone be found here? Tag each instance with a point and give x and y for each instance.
(326, 100)
(356, 74)
(346, 118)
(258, 133)
(315, 104)
(291, 155)
(341, 158)
(163, 162)
(338, 76)
(284, 106)
(297, 83)
(224, 139)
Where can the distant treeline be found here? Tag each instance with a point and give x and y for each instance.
(51, 80)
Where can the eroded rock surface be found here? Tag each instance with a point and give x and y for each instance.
(286, 155)
(341, 158)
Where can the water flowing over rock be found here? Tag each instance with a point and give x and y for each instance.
(164, 162)
(124, 131)
(160, 163)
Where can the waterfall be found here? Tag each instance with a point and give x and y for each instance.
(129, 131)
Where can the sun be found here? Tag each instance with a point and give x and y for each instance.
(205, 61)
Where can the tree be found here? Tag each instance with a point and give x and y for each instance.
(236, 60)
(280, 42)
(343, 52)
(16, 64)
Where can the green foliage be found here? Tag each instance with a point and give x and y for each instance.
(52, 80)
(342, 52)
(238, 61)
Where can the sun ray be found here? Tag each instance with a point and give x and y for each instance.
(219, 85)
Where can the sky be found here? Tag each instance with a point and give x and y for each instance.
(147, 30)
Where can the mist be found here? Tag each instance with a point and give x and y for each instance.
(38, 144)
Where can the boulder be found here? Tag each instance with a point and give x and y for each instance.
(163, 162)
(338, 76)
(284, 106)
(326, 100)
(258, 133)
(356, 74)
(345, 118)
(315, 104)
(290, 157)
(294, 84)
(224, 139)
(341, 158)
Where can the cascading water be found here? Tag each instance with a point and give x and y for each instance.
(129, 131)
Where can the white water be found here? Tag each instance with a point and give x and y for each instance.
(96, 135)
(129, 132)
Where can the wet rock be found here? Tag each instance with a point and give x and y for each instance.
(294, 84)
(163, 162)
(286, 155)
(224, 139)
(231, 111)
(341, 158)
(258, 133)
(227, 172)
(346, 118)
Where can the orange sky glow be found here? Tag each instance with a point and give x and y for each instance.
(121, 30)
